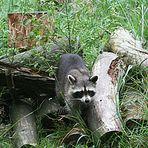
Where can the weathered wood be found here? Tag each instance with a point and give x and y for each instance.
(103, 115)
(45, 58)
(24, 123)
(125, 45)
(133, 105)
(17, 59)
(29, 84)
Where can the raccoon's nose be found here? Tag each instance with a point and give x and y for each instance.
(87, 101)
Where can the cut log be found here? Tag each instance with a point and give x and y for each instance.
(103, 116)
(133, 106)
(24, 125)
(124, 44)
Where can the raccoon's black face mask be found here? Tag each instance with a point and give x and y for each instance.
(84, 96)
(83, 90)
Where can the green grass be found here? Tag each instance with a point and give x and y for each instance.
(5, 136)
(90, 23)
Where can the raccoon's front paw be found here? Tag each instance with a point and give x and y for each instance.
(63, 111)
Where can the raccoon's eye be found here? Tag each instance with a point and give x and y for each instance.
(91, 93)
(78, 94)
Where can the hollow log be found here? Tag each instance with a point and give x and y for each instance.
(103, 116)
(125, 45)
(28, 84)
(23, 119)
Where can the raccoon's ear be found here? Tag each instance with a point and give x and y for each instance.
(93, 79)
(71, 79)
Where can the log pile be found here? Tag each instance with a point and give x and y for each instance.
(22, 82)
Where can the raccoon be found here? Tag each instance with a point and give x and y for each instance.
(74, 85)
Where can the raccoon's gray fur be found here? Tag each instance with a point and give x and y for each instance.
(74, 83)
